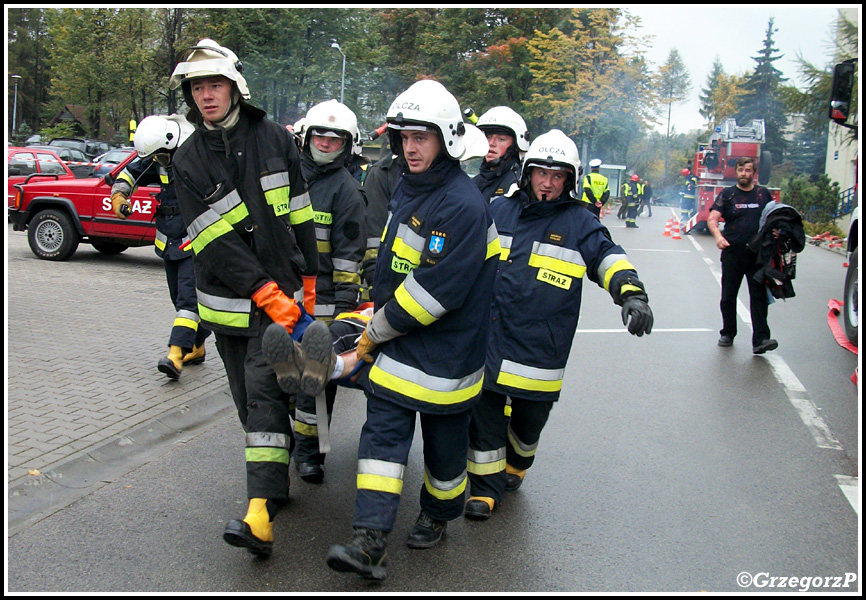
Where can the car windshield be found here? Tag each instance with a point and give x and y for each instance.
(115, 156)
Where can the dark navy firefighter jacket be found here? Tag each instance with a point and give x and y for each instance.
(548, 249)
(434, 280)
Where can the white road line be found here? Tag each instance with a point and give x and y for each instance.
(851, 488)
(799, 398)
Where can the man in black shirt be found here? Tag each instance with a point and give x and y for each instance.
(740, 206)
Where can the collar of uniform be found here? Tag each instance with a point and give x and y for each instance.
(442, 169)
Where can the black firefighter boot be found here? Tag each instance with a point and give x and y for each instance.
(364, 555)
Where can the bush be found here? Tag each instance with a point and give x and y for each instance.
(813, 229)
(816, 197)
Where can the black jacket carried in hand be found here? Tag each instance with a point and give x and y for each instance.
(777, 256)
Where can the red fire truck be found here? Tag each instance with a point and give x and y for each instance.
(715, 165)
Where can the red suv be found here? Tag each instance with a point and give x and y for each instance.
(59, 214)
(29, 163)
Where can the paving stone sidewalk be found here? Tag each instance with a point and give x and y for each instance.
(83, 338)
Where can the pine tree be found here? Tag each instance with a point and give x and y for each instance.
(764, 99)
(707, 108)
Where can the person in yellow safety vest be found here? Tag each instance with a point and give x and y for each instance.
(688, 193)
(596, 189)
(631, 198)
(158, 138)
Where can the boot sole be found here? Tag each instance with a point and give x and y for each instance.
(238, 534)
(319, 358)
(166, 366)
(279, 350)
(339, 560)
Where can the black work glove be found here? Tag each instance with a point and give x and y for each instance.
(641, 321)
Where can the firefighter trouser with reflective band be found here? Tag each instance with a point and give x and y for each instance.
(633, 205)
(382, 455)
(345, 338)
(263, 409)
(495, 440)
(186, 330)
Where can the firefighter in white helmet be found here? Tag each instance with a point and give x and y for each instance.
(330, 133)
(550, 244)
(156, 139)
(508, 139)
(250, 225)
(427, 338)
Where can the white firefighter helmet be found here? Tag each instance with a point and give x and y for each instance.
(209, 59)
(333, 119)
(156, 133)
(428, 105)
(475, 142)
(503, 117)
(300, 127)
(552, 150)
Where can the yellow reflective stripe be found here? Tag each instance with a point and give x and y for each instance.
(160, 240)
(343, 277)
(380, 476)
(302, 215)
(306, 429)
(525, 377)
(407, 381)
(163, 178)
(377, 483)
(224, 318)
(555, 264)
(403, 250)
(556, 258)
(276, 455)
(629, 288)
(323, 218)
(418, 302)
(371, 254)
(524, 383)
(485, 463)
(445, 490)
(237, 214)
(181, 322)
(521, 449)
(493, 249)
(209, 234)
(324, 246)
(620, 265)
(279, 200)
(125, 176)
(233, 312)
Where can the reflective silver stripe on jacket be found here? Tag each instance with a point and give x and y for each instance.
(424, 380)
(235, 305)
(514, 368)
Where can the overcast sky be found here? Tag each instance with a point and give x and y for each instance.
(734, 33)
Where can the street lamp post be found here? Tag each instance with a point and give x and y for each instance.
(343, 78)
(15, 78)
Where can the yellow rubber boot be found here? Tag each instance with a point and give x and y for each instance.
(513, 477)
(172, 364)
(255, 532)
(194, 357)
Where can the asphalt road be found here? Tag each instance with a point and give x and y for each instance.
(669, 465)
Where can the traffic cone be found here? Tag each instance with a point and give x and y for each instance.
(668, 227)
(676, 234)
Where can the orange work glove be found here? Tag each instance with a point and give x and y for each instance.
(365, 347)
(309, 294)
(279, 307)
(122, 207)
